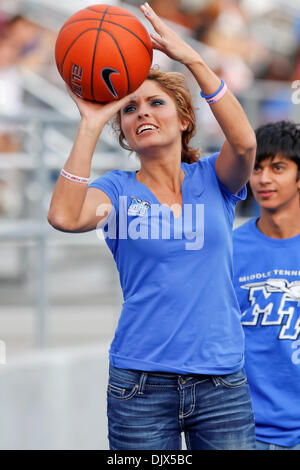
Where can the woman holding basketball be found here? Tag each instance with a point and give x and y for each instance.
(176, 361)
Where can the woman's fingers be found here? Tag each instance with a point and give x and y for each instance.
(115, 106)
(71, 93)
(101, 111)
(167, 41)
(156, 22)
(158, 40)
(157, 43)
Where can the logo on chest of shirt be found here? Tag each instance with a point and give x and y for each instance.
(153, 222)
(274, 302)
(138, 207)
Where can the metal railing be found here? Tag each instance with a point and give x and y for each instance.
(47, 147)
(47, 153)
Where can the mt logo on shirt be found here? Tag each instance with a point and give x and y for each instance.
(275, 302)
(138, 207)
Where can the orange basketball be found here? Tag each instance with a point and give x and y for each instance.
(103, 53)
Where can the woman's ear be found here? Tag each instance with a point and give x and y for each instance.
(184, 124)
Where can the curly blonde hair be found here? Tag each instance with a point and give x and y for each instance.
(174, 84)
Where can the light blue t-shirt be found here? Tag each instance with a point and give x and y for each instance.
(267, 283)
(180, 312)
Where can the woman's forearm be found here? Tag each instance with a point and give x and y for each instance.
(68, 196)
(80, 158)
(227, 111)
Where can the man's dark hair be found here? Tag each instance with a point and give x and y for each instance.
(282, 138)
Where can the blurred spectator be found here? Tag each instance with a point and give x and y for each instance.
(33, 44)
(296, 59)
(3, 20)
(172, 11)
(22, 44)
(19, 43)
(202, 15)
(169, 9)
(228, 32)
(10, 89)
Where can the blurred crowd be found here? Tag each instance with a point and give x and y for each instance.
(245, 41)
(253, 45)
(250, 40)
(259, 39)
(23, 44)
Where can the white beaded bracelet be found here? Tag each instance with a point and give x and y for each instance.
(77, 179)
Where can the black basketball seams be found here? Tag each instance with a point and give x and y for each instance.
(91, 19)
(72, 44)
(99, 29)
(123, 59)
(115, 14)
(78, 21)
(95, 47)
(110, 22)
(129, 31)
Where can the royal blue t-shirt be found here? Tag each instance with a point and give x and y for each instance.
(267, 283)
(180, 312)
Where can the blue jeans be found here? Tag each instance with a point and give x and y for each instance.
(267, 446)
(149, 410)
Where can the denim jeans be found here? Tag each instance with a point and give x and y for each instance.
(267, 446)
(148, 410)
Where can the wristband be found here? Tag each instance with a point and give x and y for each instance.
(214, 94)
(218, 96)
(76, 179)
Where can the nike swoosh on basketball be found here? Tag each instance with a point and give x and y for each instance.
(106, 73)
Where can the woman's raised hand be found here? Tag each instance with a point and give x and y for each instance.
(168, 41)
(97, 112)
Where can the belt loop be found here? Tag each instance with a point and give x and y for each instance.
(142, 383)
(215, 380)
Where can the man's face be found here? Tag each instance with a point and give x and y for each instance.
(275, 182)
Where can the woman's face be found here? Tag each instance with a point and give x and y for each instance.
(151, 120)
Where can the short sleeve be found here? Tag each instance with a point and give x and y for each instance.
(230, 198)
(234, 198)
(111, 185)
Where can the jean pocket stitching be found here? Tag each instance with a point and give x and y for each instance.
(132, 392)
(229, 384)
(113, 388)
(121, 379)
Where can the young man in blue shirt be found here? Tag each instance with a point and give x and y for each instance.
(267, 283)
